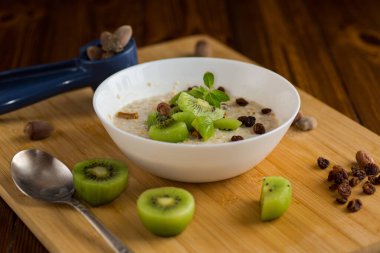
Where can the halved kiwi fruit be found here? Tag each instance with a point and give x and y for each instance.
(165, 211)
(198, 107)
(99, 181)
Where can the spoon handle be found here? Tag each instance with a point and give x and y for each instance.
(116, 244)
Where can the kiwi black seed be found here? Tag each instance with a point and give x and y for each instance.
(198, 107)
(99, 181)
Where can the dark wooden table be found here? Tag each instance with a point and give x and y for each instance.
(330, 49)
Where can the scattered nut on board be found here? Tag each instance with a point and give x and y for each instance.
(363, 158)
(111, 43)
(298, 117)
(306, 123)
(203, 49)
(38, 129)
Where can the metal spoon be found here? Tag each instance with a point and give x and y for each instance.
(39, 175)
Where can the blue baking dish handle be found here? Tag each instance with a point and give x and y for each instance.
(25, 86)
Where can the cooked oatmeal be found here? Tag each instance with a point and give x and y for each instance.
(145, 106)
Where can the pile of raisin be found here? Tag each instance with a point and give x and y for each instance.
(343, 181)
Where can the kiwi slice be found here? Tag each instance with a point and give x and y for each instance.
(175, 132)
(186, 117)
(165, 211)
(227, 124)
(99, 181)
(198, 107)
(276, 195)
(204, 126)
(152, 117)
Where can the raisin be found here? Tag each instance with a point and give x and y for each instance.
(196, 134)
(371, 169)
(249, 121)
(242, 119)
(373, 180)
(344, 189)
(359, 174)
(266, 110)
(369, 188)
(221, 89)
(354, 205)
(237, 138)
(355, 167)
(323, 163)
(341, 200)
(354, 181)
(241, 102)
(164, 109)
(259, 128)
(337, 174)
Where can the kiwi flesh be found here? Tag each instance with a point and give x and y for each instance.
(198, 107)
(100, 181)
(275, 198)
(204, 126)
(186, 117)
(175, 132)
(227, 124)
(166, 211)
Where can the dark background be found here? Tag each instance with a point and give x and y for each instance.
(331, 49)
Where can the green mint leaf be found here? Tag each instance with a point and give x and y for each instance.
(220, 95)
(196, 92)
(212, 100)
(208, 79)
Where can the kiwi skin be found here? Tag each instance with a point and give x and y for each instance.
(102, 191)
(166, 221)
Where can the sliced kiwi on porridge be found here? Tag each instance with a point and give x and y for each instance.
(199, 107)
(175, 132)
(195, 116)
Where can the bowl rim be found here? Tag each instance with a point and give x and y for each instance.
(104, 120)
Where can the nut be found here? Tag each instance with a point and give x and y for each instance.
(121, 37)
(38, 129)
(306, 123)
(94, 53)
(106, 40)
(363, 158)
(164, 109)
(298, 117)
(203, 49)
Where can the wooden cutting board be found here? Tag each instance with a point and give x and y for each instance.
(227, 212)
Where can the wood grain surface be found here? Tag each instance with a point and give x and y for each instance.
(330, 49)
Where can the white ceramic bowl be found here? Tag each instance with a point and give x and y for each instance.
(191, 162)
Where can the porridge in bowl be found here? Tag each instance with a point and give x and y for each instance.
(197, 115)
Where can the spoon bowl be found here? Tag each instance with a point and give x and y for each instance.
(41, 176)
